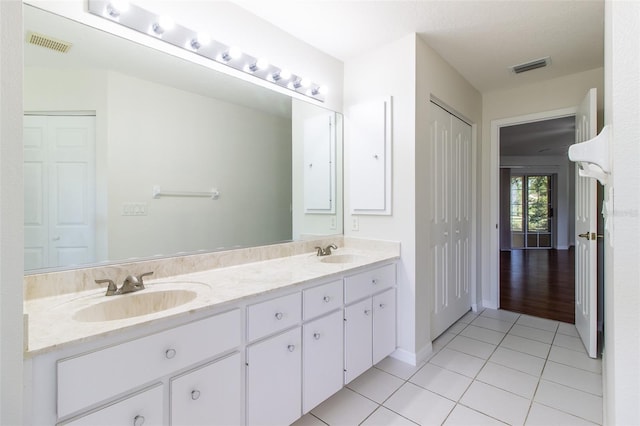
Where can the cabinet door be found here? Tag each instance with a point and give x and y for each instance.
(357, 339)
(274, 380)
(144, 408)
(323, 359)
(384, 324)
(209, 395)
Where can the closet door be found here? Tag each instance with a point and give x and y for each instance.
(449, 217)
(460, 291)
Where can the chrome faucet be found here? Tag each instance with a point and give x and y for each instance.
(130, 284)
(325, 251)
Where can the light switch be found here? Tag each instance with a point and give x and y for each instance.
(134, 209)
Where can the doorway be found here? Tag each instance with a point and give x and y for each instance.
(536, 209)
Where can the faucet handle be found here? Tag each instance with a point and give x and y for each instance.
(320, 251)
(141, 276)
(327, 250)
(111, 289)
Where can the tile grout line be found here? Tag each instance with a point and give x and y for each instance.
(540, 377)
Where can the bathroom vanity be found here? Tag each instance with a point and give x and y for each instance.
(262, 342)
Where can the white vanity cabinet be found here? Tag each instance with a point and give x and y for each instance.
(274, 379)
(210, 395)
(261, 362)
(322, 343)
(369, 323)
(95, 378)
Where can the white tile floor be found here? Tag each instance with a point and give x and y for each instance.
(497, 367)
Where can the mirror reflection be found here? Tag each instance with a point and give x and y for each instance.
(110, 121)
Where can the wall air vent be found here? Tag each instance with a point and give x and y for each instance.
(532, 65)
(48, 42)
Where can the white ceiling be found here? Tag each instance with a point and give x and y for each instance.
(540, 138)
(480, 38)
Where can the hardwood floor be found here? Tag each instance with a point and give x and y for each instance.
(539, 283)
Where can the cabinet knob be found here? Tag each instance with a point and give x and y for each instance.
(170, 353)
(382, 306)
(195, 394)
(316, 336)
(374, 281)
(279, 315)
(326, 299)
(291, 348)
(138, 420)
(367, 311)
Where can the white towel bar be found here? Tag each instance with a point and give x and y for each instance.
(213, 194)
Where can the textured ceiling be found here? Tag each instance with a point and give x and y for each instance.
(481, 38)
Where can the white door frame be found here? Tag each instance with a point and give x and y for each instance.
(493, 301)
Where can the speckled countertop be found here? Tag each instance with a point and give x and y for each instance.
(53, 322)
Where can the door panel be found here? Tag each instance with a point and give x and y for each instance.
(586, 227)
(449, 218)
(59, 166)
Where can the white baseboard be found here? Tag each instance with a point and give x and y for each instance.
(489, 305)
(562, 248)
(412, 357)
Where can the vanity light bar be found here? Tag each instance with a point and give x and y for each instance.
(163, 28)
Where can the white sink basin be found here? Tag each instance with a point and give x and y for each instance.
(134, 305)
(341, 258)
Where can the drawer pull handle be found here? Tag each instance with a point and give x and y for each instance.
(279, 315)
(326, 299)
(374, 281)
(367, 311)
(138, 420)
(291, 348)
(170, 353)
(316, 336)
(195, 394)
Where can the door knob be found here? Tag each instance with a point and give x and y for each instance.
(585, 235)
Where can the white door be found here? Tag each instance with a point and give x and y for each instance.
(586, 234)
(322, 359)
(319, 164)
(450, 217)
(358, 339)
(210, 395)
(384, 324)
(59, 180)
(274, 380)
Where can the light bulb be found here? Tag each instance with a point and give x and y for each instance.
(165, 23)
(116, 7)
(259, 64)
(283, 74)
(232, 53)
(202, 39)
(305, 82)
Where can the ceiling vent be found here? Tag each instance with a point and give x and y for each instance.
(532, 65)
(48, 42)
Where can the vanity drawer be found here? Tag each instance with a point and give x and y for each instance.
(322, 299)
(273, 315)
(369, 282)
(142, 408)
(96, 376)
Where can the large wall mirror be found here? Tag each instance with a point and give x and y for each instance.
(110, 121)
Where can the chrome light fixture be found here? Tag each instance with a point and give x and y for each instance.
(163, 28)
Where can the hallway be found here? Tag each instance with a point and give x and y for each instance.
(539, 283)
